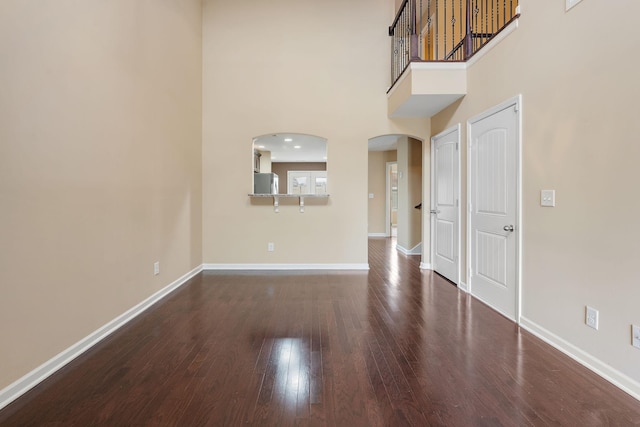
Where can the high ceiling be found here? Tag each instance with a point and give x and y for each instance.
(296, 147)
(384, 143)
(292, 147)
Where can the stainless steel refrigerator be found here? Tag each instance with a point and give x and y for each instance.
(265, 183)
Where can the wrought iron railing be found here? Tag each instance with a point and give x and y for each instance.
(404, 39)
(445, 30)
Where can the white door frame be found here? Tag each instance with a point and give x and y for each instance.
(515, 102)
(432, 220)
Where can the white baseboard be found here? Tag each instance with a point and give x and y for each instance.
(426, 266)
(236, 267)
(417, 250)
(463, 286)
(42, 372)
(617, 378)
(378, 235)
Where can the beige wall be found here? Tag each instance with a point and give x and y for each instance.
(378, 187)
(311, 71)
(409, 192)
(580, 128)
(100, 172)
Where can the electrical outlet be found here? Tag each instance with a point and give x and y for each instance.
(271, 247)
(591, 318)
(635, 336)
(156, 268)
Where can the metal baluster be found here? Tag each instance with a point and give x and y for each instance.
(486, 20)
(407, 35)
(437, 31)
(454, 21)
(493, 17)
(461, 33)
(429, 55)
(504, 13)
(444, 21)
(453, 32)
(476, 26)
(395, 54)
(393, 57)
(420, 42)
(401, 41)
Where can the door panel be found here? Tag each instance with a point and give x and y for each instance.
(493, 178)
(445, 205)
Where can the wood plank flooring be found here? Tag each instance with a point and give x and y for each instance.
(391, 347)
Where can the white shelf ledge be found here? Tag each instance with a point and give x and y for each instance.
(301, 197)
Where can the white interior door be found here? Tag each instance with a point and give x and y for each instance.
(493, 208)
(445, 211)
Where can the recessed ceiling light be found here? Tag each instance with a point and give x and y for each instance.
(296, 146)
(288, 140)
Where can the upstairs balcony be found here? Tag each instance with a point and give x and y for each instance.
(432, 44)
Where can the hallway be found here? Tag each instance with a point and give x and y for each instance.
(391, 347)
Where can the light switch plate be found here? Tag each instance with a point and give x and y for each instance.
(592, 317)
(371, 195)
(635, 336)
(548, 198)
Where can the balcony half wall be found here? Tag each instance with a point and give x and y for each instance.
(426, 88)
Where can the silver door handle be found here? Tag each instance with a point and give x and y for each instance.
(508, 228)
(434, 211)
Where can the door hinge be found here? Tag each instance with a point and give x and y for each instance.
(457, 146)
(470, 207)
(515, 108)
(457, 203)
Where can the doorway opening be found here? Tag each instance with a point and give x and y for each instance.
(392, 200)
(395, 191)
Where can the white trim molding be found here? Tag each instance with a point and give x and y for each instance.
(615, 377)
(283, 267)
(378, 235)
(416, 250)
(463, 286)
(426, 266)
(42, 372)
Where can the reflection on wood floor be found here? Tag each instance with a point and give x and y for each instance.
(390, 347)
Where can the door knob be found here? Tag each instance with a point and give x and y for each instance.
(508, 228)
(434, 211)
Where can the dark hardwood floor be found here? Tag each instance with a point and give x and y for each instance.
(391, 347)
